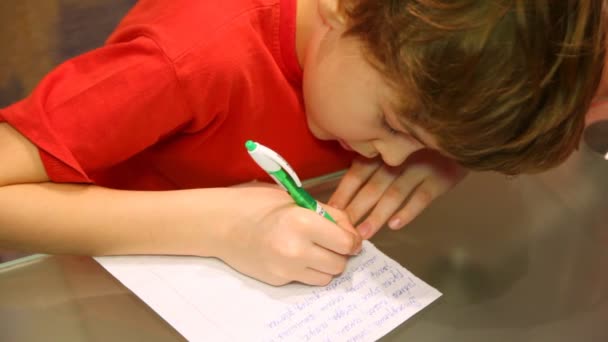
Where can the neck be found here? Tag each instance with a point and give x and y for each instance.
(307, 17)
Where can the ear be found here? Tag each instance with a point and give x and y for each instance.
(330, 13)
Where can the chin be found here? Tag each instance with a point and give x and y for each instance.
(318, 133)
(321, 136)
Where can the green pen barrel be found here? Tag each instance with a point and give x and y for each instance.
(301, 196)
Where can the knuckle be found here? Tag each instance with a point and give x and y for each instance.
(302, 221)
(394, 193)
(424, 196)
(346, 243)
(374, 185)
(374, 219)
(290, 250)
(287, 247)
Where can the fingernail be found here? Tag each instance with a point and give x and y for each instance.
(394, 223)
(365, 229)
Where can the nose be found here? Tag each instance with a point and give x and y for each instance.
(370, 155)
(395, 153)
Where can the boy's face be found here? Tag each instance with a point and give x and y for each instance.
(347, 100)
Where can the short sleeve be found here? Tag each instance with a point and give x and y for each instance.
(101, 108)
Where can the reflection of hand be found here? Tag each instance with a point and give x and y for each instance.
(394, 194)
(277, 242)
(598, 111)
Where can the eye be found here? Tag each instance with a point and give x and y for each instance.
(388, 127)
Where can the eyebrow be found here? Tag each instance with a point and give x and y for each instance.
(388, 109)
(411, 132)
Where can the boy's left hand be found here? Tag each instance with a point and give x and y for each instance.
(394, 194)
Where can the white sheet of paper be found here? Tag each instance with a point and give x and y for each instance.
(205, 300)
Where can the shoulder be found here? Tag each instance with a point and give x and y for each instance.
(180, 26)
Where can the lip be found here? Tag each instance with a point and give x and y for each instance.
(345, 145)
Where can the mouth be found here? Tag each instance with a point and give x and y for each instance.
(345, 145)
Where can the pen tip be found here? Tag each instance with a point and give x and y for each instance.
(250, 145)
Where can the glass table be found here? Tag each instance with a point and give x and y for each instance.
(522, 259)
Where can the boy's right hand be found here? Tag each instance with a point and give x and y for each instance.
(277, 242)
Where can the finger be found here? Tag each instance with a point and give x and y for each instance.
(313, 277)
(340, 238)
(343, 221)
(357, 175)
(325, 261)
(391, 201)
(371, 193)
(423, 195)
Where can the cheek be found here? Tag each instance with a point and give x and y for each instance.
(337, 109)
(319, 96)
(318, 91)
(314, 105)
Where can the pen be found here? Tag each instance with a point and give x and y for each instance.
(282, 173)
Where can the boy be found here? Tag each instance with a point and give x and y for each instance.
(167, 104)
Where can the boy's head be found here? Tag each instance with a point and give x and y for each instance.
(497, 85)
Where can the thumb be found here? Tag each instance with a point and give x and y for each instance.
(343, 221)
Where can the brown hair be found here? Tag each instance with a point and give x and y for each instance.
(502, 85)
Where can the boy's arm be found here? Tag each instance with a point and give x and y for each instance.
(39, 216)
(19, 159)
(269, 239)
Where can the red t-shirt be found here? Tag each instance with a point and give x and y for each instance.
(169, 101)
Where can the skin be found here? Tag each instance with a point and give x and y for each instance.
(270, 239)
(401, 169)
(347, 100)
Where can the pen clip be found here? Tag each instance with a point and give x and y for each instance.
(280, 161)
